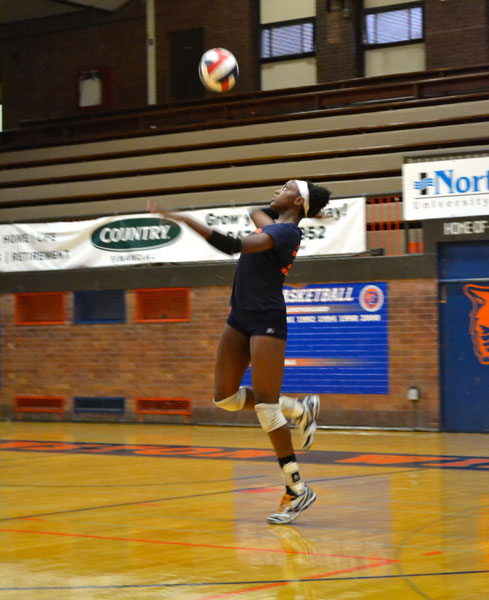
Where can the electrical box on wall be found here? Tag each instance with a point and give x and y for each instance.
(94, 89)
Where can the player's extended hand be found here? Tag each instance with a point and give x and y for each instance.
(160, 210)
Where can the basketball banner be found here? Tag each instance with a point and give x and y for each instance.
(337, 339)
(145, 238)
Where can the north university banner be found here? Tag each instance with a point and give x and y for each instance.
(438, 189)
(144, 238)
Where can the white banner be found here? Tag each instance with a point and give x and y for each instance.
(144, 238)
(446, 188)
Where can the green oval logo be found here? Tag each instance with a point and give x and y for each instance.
(126, 235)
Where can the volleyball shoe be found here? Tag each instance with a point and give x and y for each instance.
(291, 507)
(307, 423)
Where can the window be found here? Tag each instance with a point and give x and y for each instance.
(387, 25)
(43, 308)
(162, 305)
(287, 39)
(99, 404)
(99, 306)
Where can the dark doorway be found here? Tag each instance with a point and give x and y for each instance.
(186, 49)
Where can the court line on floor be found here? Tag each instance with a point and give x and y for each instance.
(322, 576)
(373, 562)
(226, 583)
(193, 544)
(122, 504)
(188, 496)
(383, 459)
(124, 485)
(325, 578)
(400, 547)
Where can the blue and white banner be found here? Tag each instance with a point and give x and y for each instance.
(446, 188)
(337, 339)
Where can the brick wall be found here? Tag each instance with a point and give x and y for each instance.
(225, 24)
(456, 33)
(413, 360)
(337, 46)
(177, 359)
(133, 359)
(41, 61)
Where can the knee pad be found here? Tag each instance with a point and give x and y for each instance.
(234, 402)
(270, 416)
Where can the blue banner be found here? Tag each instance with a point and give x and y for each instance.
(337, 339)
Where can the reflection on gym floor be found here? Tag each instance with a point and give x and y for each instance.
(105, 511)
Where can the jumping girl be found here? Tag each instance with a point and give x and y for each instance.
(256, 330)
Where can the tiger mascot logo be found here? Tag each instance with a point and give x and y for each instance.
(479, 320)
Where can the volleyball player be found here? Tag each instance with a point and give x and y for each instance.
(256, 329)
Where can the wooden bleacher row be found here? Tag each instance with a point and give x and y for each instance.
(342, 151)
(272, 148)
(354, 151)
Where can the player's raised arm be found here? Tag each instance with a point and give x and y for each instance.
(197, 226)
(224, 243)
(263, 216)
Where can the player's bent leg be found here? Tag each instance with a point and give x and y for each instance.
(270, 416)
(233, 358)
(304, 414)
(298, 495)
(267, 362)
(234, 402)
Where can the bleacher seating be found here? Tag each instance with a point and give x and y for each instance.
(352, 136)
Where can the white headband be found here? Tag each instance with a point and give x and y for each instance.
(304, 192)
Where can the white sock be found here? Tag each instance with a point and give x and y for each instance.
(292, 478)
(291, 407)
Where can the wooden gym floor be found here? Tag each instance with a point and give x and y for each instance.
(139, 512)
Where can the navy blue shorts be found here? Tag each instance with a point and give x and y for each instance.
(272, 323)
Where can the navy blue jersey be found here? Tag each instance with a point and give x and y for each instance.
(259, 276)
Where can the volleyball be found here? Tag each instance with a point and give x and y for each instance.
(218, 70)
